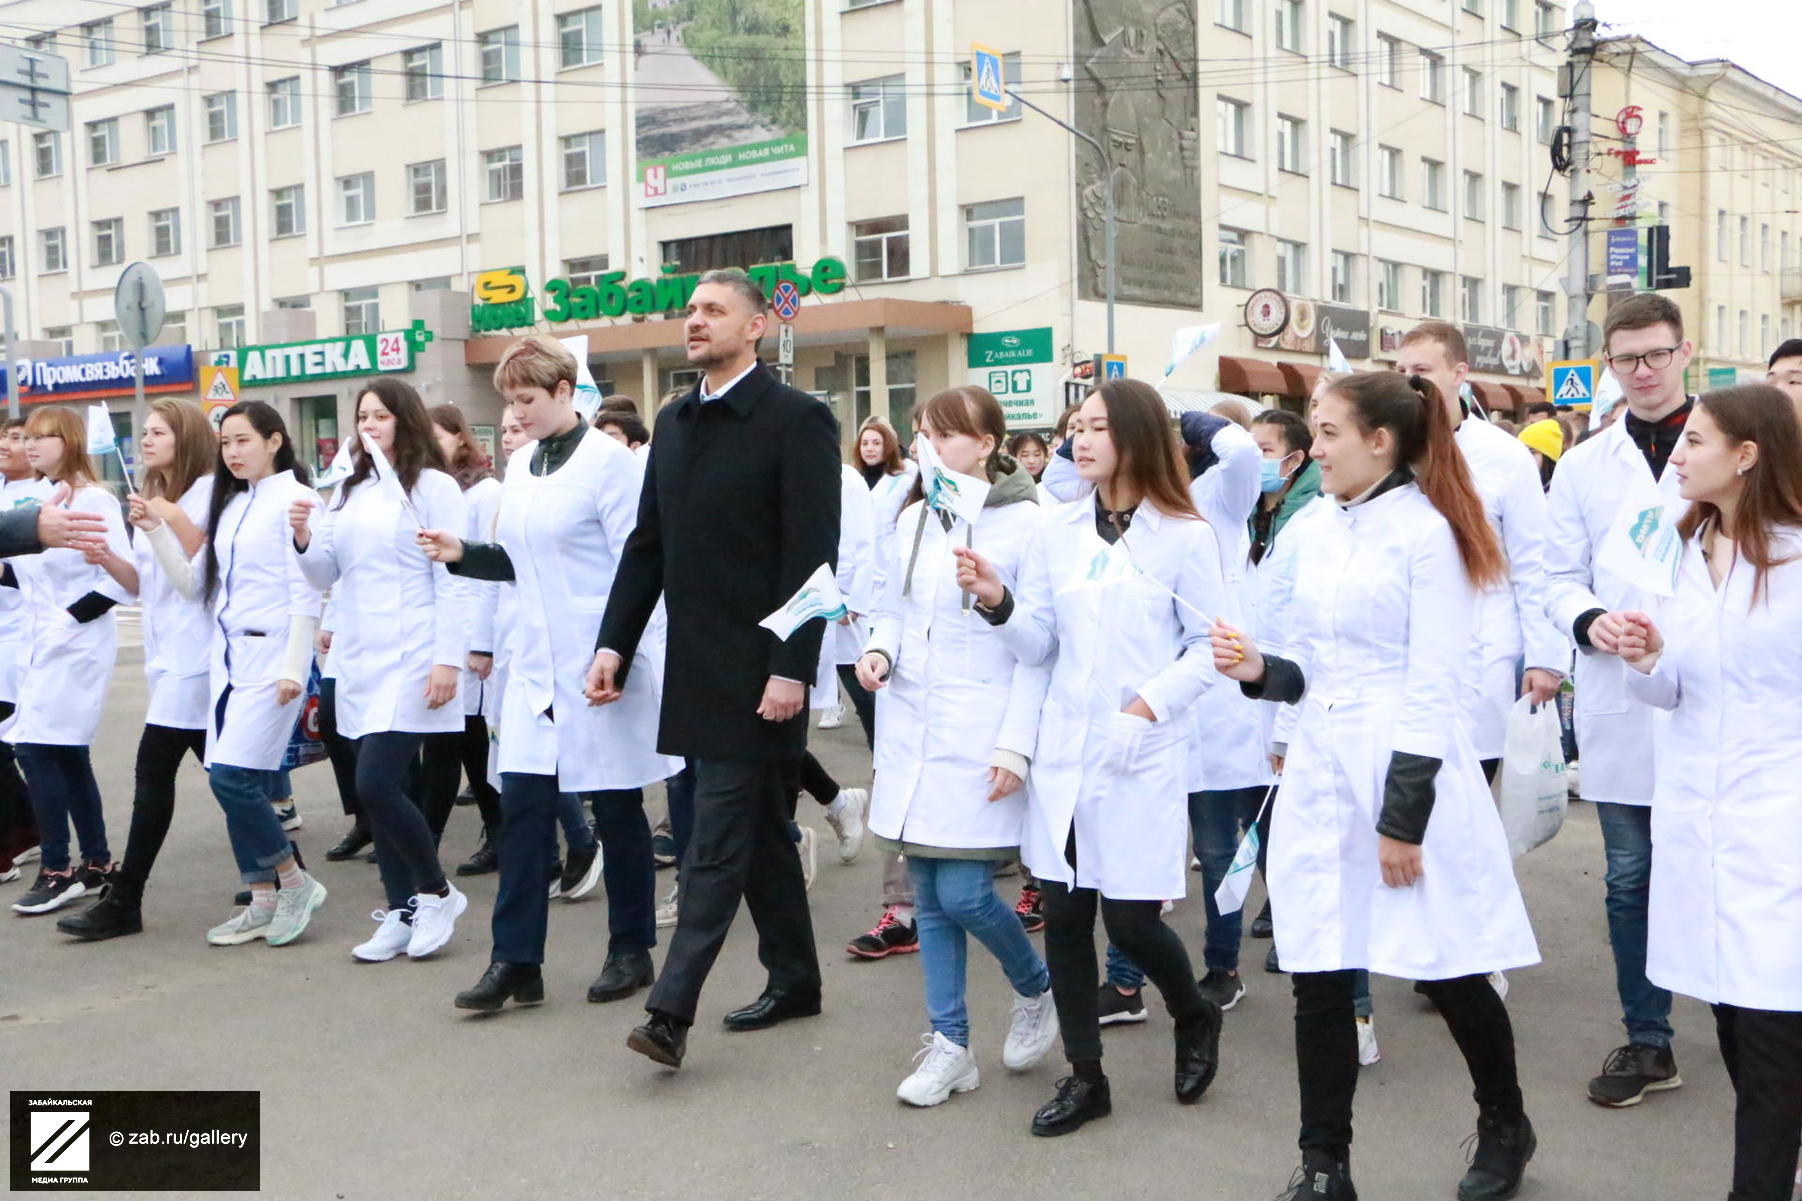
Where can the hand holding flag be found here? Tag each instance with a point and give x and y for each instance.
(818, 597)
(948, 491)
(102, 440)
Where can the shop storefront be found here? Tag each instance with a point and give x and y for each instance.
(108, 378)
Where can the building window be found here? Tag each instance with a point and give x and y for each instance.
(1473, 7)
(1510, 107)
(284, 102)
(1513, 296)
(1545, 206)
(1745, 241)
(879, 109)
(1510, 14)
(1340, 45)
(156, 29)
(1432, 183)
(293, 302)
(584, 160)
(1764, 246)
(425, 188)
(110, 337)
(1545, 119)
(1389, 61)
(47, 154)
(768, 244)
(1288, 25)
(1784, 261)
(97, 36)
(1389, 285)
(6, 163)
(1231, 118)
(503, 172)
(165, 232)
(1289, 148)
(423, 67)
(585, 272)
(1235, 271)
(982, 114)
(1343, 160)
(902, 376)
(1473, 196)
(221, 116)
(1432, 293)
(1764, 330)
(1473, 93)
(1745, 333)
(159, 130)
(53, 249)
(362, 311)
(579, 38)
(1230, 13)
(995, 234)
(880, 250)
(228, 320)
(215, 18)
(1470, 299)
(1722, 247)
(350, 86)
(288, 208)
(1344, 269)
(103, 142)
(1664, 133)
(1389, 164)
(1510, 206)
(277, 11)
(1545, 19)
(438, 283)
(63, 336)
(223, 216)
(500, 54)
(1432, 77)
(356, 198)
(1291, 266)
(109, 241)
(8, 267)
(1720, 327)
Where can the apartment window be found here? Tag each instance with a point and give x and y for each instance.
(500, 54)
(1470, 299)
(1231, 118)
(1389, 166)
(47, 154)
(288, 210)
(109, 241)
(1764, 330)
(350, 85)
(293, 302)
(1389, 285)
(1545, 18)
(1339, 44)
(503, 173)
(1722, 247)
(1664, 133)
(979, 114)
(221, 116)
(1784, 261)
(880, 249)
(362, 311)
(584, 160)
(110, 337)
(1288, 25)
(1510, 206)
(222, 217)
(1745, 241)
(903, 376)
(63, 336)
(425, 188)
(284, 102)
(165, 232)
(1289, 144)
(1513, 296)
(579, 38)
(583, 272)
(995, 234)
(1389, 61)
(423, 67)
(159, 130)
(1764, 246)
(1230, 13)
(1432, 293)
(1473, 92)
(97, 36)
(156, 28)
(277, 11)
(1235, 269)
(7, 266)
(1545, 206)
(1510, 14)
(1432, 77)
(438, 283)
(1342, 159)
(53, 249)
(1473, 7)
(174, 331)
(1432, 183)
(103, 142)
(356, 198)
(228, 320)
(1473, 196)
(879, 109)
(1291, 266)
(1510, 107)
(1545, 119)
(1343, 269)
(1720, 327)
(1745, 333)
(6, 165)
(43, 43)
(215, 18)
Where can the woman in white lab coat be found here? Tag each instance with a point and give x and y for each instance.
(68, 644)
(179, 452)
(1119, 588)
(956, 723)
(569, 500)
(1722, 658)
(20, 487)
(1386, 851)
(401, 633)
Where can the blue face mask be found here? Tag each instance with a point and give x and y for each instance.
(1272, 478)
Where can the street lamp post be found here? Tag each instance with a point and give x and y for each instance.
(1108, 223)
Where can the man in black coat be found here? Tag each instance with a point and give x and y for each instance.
(740, 506)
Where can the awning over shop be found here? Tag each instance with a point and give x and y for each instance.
(1524, 395)
(1253, 377)
(1302, 378)
(1495, 398)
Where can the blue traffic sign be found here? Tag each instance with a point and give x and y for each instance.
(988, 81)
(1571, 383)
(786, 300)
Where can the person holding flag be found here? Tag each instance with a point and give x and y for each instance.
(401, 628)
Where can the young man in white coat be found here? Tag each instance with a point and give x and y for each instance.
(1621, 469)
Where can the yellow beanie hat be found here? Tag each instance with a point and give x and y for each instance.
(1545, 436)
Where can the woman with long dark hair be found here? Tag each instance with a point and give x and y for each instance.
(1386, 850)
(1119, 589)
(401, 628)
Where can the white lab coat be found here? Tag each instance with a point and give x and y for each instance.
(1511, 617)
(887, 499)
(1381, 632)
(855, 576)
(1272, 611)
(65, 666)
(956, 694)
(15, 494)
(1726, 898)
(564, 533)
(1120, 781)
(481, 597)
(178, 634)
(1596, 482)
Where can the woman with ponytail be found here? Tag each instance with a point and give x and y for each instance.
(1387, 853)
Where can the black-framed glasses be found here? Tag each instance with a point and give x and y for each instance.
(1657, 360)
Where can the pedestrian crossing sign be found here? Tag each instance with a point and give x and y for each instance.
(988, 83)
(1571, 383)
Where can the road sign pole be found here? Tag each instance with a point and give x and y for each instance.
(12, 369)
(1108, 215)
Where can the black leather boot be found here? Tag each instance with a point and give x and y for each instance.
(1198, 1054)
(624, 973)
(350, 844)
(484, 861)
(113, 915)
(663, 1040)
(521, 983)
(1321, 1177)
(1504, 1145)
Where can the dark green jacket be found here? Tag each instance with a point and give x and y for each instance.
(1266, 524)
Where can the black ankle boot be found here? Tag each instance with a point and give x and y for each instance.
(1198, 1054)
(521, 983)
(350, 844)
(1504, 1145)
(483, 861)
(1321, 1177)
(1077, 1101)
(113, 915)
(624, 973)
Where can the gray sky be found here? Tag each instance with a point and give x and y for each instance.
(1763, 36)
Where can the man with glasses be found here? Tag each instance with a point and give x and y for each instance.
(1619, 471)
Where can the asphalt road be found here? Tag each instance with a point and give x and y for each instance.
(373, 1086)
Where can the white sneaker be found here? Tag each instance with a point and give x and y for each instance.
(248, 923)
(390, 937)
(808, 849)
(294, 908)
(1167, 908)
(1499, 982)
(1030, 1032)
(28, 855)
(666, 910)
(1367, 1043)
(1572, 785)
(845, 815)
(9, 875)
(946, 1068)
(434, 921)
(833, 718)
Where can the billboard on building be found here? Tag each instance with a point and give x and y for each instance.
(1138, 96)
(721, 94)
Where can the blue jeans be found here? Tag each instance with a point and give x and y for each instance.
(576, 830)
(258, 842)
(282, 787)
(60, 780)
(954, 897)
(1627, 844)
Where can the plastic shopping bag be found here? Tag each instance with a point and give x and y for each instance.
(1533, 785)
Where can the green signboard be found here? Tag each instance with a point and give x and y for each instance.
(1019, 366)
(1011, 346)
(610, 295)
(276, 364)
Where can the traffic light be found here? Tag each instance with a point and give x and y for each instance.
(1660, 275)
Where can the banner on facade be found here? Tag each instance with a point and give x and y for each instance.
(324, 358)
(90, 376)
(1020, 368)
(1312, 325)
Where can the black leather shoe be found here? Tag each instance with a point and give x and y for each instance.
(662, 1039)
(1198, 1055)
(350, 844)
(521, 983)
(1321, 1177)
(773, 1007)
(482, 862)
(1504, 1145)
(1261, 925)
(1076, 1102)
(109, 917)
(624, 973)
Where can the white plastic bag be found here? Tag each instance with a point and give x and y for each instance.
(1533, 786)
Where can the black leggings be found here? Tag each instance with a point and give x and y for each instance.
(340, 750)
(444, 760)
(18, 822)
(160, 753)
(862, 700)
(1326, 1051)
(404, 850)
(816, 781)
(1763, 1052)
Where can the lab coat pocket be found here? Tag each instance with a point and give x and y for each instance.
(253, 659)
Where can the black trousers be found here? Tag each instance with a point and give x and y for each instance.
(862, 700)
(1326, 1051)
(340, 750)
(18, 821)
(444, 759)
(815, 780)
(160, 752)
(740, 848)
(404, 851)
(1762, 1049)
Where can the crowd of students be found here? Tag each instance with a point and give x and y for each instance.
(1155, 636)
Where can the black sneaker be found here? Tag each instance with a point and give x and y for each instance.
(663, 851)
(1116, 1007)
(890, 936)
(1320, 1178)
(112, 916)
(1629, 1074)
(1272, 964)
(581, 872)
(1261, 925)
(1503, 1147)
(485, 860)
(1028, 910)
(1222, 988)
(52, 890)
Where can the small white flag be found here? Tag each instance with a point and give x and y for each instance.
(1644, 547)
(1188, 340)
(946, 490)
(1230, 896)
(1335, 358)
(588, 393)
(101, 439)
(1109, 565)
(818, 597)
(342, 466)
(385, 477)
